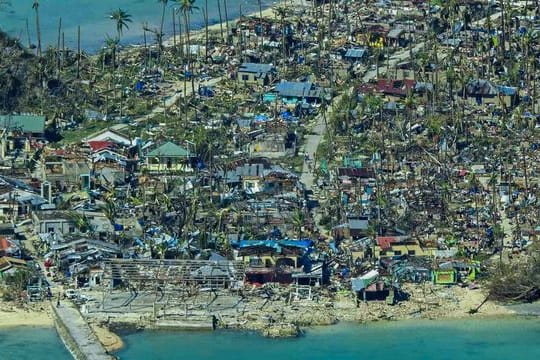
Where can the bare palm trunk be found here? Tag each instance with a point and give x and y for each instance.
(78, 52)
(188, 47)
(180, 38)
(58, 48)
(28, 34)
(162, 22)
(205, 29)
(220, 19)
(261, 23)
(240, 40)
(146, 56)
(174, 31)
(226, 20)
(38, 30)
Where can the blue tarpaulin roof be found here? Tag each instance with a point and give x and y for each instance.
(305, 243)
(276, 244)
(507, 90)
(261, 118)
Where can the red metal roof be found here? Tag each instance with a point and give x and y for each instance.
(98, 145)
(4, 244)
(395, 87)
(385, 242)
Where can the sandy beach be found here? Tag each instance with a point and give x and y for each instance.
(35, 315)
(108, 339)
(200, 33)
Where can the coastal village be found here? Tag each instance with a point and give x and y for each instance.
(315, 162)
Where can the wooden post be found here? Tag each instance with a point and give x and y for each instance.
(78, 51)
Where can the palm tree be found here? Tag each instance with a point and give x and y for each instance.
(298, 220)
(205, 15)
(35, 6)
(281, 13)
(226, 19)
(80, 221)
(161, 249)
(109, 209)
(163, 8)
(220, 19)
(112, 46)
(121, 18)
(186, 8)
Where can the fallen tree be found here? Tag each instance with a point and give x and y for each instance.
(517, 281)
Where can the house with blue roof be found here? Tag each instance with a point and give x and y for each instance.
(355, 54)
(485, 92)
(292, 92)
(260, 74)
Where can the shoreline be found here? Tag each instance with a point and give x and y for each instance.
(110, 340)
(289, 323)
(16, 317)
(198, 34)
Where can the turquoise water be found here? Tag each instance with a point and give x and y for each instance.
(29, 343)
(493, 339)
(92, 16)
(507, 339)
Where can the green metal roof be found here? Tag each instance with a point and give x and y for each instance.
(24, 123)
(169, 150)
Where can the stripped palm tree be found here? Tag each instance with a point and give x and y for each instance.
(282, 12)
(186, 8)
(164, 4)
(35, 6)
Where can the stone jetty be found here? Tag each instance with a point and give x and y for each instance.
(77, 335)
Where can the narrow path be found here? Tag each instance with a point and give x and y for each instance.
(175, 94)
(87, 343)
(311, 144)
(313, 140)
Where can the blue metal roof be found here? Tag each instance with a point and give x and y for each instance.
(255, 68)
(507, 90)
(293, 89)
(355, 53)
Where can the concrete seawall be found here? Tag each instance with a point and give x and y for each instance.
(76, 335)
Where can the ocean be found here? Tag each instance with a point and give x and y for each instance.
(92, 16)
(493, 339)
(31, 343)
(469, 339)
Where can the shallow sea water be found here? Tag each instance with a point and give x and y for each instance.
(31, 343)
(92, 16)
(493, 339)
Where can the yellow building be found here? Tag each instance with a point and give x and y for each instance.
(387, 246)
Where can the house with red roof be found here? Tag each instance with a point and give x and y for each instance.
(8, 247)
(107, 151)
(395, 88)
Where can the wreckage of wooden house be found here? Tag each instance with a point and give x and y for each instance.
(173, 274)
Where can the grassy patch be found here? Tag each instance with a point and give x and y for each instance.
(87, 128)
